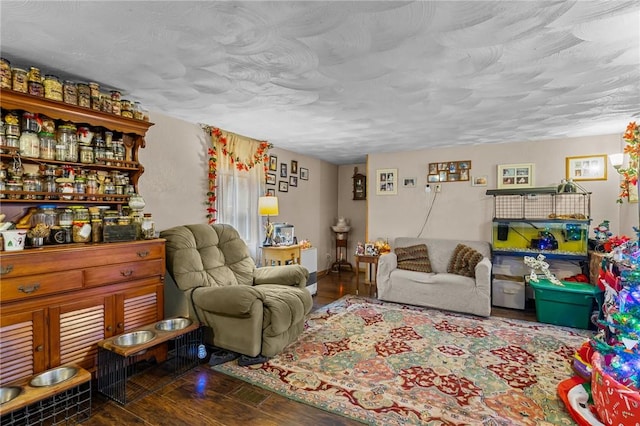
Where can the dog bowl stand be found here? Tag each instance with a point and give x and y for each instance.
(67, 402)
(124, 378)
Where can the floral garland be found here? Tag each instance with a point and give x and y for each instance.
(258, 157)
(630, 174)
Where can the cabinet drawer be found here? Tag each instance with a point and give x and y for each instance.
(38, 285)
(109, 274)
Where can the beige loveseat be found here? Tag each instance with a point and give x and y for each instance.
(438, 289)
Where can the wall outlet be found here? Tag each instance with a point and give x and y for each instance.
(438, 188)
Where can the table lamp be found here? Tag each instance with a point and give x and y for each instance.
(268, 206)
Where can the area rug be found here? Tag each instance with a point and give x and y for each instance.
(390, 364)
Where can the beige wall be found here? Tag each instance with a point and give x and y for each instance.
(174, 184)
(355, 211)
(464, 211)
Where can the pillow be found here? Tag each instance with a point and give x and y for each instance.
(414, 258)
(463, 261)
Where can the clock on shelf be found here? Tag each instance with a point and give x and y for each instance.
(359, 185)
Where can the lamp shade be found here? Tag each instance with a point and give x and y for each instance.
(616, 159)
(268, 206)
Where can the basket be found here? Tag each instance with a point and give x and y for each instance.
(615, 403)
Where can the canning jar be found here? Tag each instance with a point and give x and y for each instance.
(14, 185)
(30, 122)
(47, 124)
(126, 108)
(52, 87)
(86, 154)
(49, 185)
(47, 146)
(19, 80)
(29, 144)
(65, 217)
(32, 183)
(80, 187)
(105, 103)
(5, 74)
(81, 229)
(45, 214)
(92, 186)
(35, 88)
(67, 137)
(118, 150)
(12, 141)
(34, 75)
(70, 92)
(148, 227)
(84, 95)
(85, 135)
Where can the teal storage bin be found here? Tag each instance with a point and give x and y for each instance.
(569, 305)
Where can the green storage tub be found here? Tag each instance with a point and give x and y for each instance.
(569, 305)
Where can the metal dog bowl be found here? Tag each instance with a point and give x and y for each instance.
(9, 393)
(173, 324)
(53, 377)
(134, 338)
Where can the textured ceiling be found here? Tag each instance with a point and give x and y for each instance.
(337, 80)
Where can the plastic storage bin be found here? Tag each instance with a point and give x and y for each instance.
(508, 294)
(569, 305)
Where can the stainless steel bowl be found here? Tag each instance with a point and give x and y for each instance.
(173, 324)
(53, 377)
(9, 393)
(134, 338)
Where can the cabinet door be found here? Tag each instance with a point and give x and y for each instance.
(22, 345)
(77, 327)
(139, 306)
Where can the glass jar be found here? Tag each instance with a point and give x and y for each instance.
(118, 150)
(81, 231)
(52, 87)
(66, 186)
(105, 103)
(85, 135)
(30, 122)
(5, 74)
(61, 152)
(32, 183)
(80, 187)
(14, 185)
(86, 154)
(126, 108)
(46, 214)
(47, 146)
(35, 88)
(29, 144)
(19, 80)
(65, 217)
(138, 114)
(67, 137)
(84, 95)
(34, 74)
(92, 186)
(3, 187)
(148, 227)
(12, 141)
(70, 92)
(49, 185)
(96, 229)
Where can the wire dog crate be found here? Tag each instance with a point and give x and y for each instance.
(541, 203)
(124, 378)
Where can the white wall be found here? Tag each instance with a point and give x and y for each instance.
(175, 182)
(464, 211)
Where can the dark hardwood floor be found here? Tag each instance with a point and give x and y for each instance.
(206, 397)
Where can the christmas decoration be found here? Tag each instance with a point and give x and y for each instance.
(632, 148)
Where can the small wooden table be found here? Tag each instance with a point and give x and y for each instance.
(370, 260)
(280, 255)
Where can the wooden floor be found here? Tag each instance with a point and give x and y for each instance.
(206, 397)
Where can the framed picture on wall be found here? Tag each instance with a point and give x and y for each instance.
(387, 182)
(271, 179)
(304, 173)
(273, 163)
(590, 167)
(479, 180)
(283, 170)
(409, 182)
(293, 180)
(294, 167)
(514, 176)
(271, 192)
(283, 186)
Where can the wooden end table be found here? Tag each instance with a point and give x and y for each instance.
(280, 255)
(370, 260)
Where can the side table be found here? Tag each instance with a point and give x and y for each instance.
(280, 255)
(369, 260)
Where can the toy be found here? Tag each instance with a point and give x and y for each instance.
(538, 263)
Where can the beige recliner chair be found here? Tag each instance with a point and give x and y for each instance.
(251, 311)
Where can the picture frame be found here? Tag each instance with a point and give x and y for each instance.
(514, 176)
(304, 173)
(273, 163)
(283, 170)
(369, 249)
(479, 180)
(283, 186)
(294, 167)
(587, 167)
(386, 181)
(450, 171)
(633, 194)
(270, 179)
(293, 180)
(409, 182)
(270, 192)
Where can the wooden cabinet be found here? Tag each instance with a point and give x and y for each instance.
(59, 301)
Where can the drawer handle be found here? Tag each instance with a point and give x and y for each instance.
(29, 289)
(120, 325)
(39, 348)
(127, 273)
(143, 254)
(109, 328)
(4, 270)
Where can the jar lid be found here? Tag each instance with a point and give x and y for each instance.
(45, 135)
(67, 127)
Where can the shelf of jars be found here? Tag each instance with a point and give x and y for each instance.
(105, 164)
(10, 196)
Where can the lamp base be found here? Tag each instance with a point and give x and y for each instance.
(268, 242)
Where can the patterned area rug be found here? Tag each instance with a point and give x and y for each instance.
(388, 364)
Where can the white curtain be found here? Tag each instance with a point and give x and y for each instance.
(238, 190)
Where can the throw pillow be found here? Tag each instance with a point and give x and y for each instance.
(414, 258)
(464, 260)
